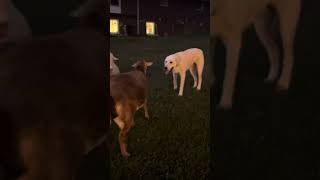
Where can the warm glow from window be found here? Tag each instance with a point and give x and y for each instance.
(114, 26)
(150, 28)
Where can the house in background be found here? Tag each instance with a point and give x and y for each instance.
(159, 17)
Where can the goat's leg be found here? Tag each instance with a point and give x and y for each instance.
(233, 45)
(145, 107)
(125, 122)
(123, 138)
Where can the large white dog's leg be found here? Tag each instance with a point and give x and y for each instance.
(262, 26)
(288, 21)
(182, 80)
(194, 75)
(175, 86)
(200, 70)
(233, 44)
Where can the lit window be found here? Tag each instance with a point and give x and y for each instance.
(114, 26)
(150, 28)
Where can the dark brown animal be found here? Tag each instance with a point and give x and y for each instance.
(53, 99)
(129, 91)
(230, 18)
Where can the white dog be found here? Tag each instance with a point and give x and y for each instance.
(178, 63)
(113, 67)
(230, 18)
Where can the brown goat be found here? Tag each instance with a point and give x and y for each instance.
(129, 91)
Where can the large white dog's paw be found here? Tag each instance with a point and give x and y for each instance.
(269, 79)
(180, 94)
(283, 85)
(225, 105)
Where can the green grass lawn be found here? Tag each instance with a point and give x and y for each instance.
(174, 143)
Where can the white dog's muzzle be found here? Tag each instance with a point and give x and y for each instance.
(167, 71)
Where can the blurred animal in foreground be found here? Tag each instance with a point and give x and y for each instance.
(230, 18)
(53, 110)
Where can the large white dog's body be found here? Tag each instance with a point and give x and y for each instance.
(229, 18)
(180, 62)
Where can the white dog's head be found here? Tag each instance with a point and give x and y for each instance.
(112, 59)
(170, 63)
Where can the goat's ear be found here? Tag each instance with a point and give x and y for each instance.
(149, 63)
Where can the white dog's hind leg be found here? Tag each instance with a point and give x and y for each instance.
(233, 44)
(193, 72)
(175, 86)
(288, 21)
(200, 70)
(182, 80)
(262, 26)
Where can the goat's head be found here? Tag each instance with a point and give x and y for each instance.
(142, 65)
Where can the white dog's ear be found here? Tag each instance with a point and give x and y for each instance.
(177, 59)
(149, 63)
(113, 57)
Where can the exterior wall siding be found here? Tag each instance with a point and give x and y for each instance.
(181, 17)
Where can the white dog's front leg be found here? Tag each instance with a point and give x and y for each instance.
(175, 86)
(182, 79)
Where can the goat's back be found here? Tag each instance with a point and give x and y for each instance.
(131, 86)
